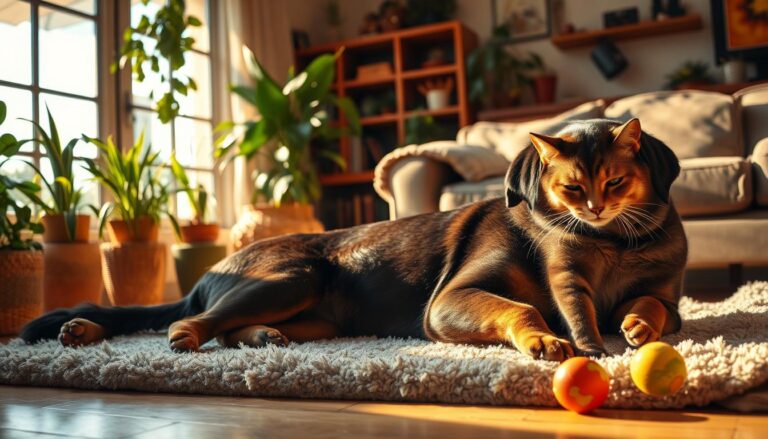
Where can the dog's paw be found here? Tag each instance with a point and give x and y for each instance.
(547, 347)
(637, 331)
(262, 337)
(183, 337)
(80, 332)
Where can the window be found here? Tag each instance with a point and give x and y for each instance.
(50, 59)
(190, 135)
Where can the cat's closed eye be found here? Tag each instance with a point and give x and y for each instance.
(572, 187)
(615, 181)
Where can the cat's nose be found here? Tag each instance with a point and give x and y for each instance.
(597, 210)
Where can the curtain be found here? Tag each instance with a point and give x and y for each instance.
(263, 26)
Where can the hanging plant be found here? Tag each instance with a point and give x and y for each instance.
(167, 29)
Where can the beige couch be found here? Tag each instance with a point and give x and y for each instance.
(721, 141)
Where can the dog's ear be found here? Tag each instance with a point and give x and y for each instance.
(662, 164)
(522, 180)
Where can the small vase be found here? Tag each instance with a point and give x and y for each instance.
(194, 233)
(437, 99)
(261, 222)
(21, 288)
(56, 228)
(72, 274)
(193, 260)
(145, 229)
(134, 272)
(734, 71)
(545, 87)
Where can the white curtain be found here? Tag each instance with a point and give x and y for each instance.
(263, 26)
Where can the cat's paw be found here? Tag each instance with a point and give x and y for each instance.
(547, 347)
(637, 331)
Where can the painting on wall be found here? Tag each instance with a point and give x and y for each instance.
(521, 20)
(741, 28)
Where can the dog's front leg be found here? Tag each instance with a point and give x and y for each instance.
(471, 315)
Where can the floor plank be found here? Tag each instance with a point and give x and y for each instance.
(27, 411)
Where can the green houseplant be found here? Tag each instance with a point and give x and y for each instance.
(133, 262)
(291, 116)
(73, 270)
(691, 73)
(21, 261)
(543, 79)
(495, 76)
(167, 31)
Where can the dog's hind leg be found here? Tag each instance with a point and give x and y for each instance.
(269, 300)
(297, 330)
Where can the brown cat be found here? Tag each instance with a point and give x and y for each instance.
(587, 241)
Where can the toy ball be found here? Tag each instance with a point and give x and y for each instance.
(658, 369)
(581, 385)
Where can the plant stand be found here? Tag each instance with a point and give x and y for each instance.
(193, 260)
(72, 274)
(21, 288)
(134, 272)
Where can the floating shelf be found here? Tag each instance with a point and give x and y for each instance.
(347, 178)
(644, 29)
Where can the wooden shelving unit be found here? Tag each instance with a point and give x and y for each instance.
(382, 131)
(644, 29)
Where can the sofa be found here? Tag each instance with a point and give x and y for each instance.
(720, 139)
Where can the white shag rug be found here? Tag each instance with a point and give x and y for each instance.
(725, 345)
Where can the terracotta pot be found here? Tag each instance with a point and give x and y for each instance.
(72, 274)
(21, 288)
(260, 222)
(545, 87)
(56, 228)
(134, 272)
(200, 233)
(193, 261)
(145, 230)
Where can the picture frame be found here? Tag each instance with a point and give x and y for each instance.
(521, 20)
(736, 33)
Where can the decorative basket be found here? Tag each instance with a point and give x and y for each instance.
(21, 288)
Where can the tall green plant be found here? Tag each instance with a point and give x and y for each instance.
(16, 232)
(65, 197)
(197, 196)
(495, 76)
(167, 29)
(290, 117)
(133, 178)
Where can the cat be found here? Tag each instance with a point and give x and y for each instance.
(585, 241)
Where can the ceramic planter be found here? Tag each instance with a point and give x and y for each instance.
(72, 274)
(260, 222)
(545, 87)
(193, 260)
(56, 228)
(198, 233)
(145, 229)
(134, 272)
(21, 288)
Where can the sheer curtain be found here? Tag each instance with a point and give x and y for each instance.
(264, 27)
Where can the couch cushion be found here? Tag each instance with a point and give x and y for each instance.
(732, 239)
(706, 186)
(754, 110)
(692, 123)
(712, 185)
(509, 138)
(759, 160)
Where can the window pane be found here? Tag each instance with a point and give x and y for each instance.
(155, 133)
(194, 143)
(83, 181)
(73, 117)
(184, 209)
(138, 8)
(15, 42)
(197, 103)
(199, 8)
(19, 103)
(67, 53)
(87, 6)
(152, 81)
(19, 171)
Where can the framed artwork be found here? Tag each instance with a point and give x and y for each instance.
(521, 20)
(741, 29)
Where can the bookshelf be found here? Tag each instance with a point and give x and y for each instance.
(386, 101)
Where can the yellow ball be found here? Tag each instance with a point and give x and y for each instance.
(658, 369)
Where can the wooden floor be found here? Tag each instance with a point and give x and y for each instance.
(38, 412)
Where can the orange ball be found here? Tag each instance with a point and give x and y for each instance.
(581, 385)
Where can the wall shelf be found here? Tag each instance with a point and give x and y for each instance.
(643, 29)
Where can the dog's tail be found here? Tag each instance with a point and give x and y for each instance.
(121, 320)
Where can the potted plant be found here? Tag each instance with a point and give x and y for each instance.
(21, 258)
(198, 250)
(73, 269)
(134, 261)
(691, 74)
(291, 116)
(544, 80)
(495, 76)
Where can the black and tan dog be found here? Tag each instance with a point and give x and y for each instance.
(586, 241)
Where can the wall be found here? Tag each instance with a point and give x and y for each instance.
(650, 59)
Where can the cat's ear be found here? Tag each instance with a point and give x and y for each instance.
(547, 147)
(522, 180)
(628, 135)
(662, 164)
